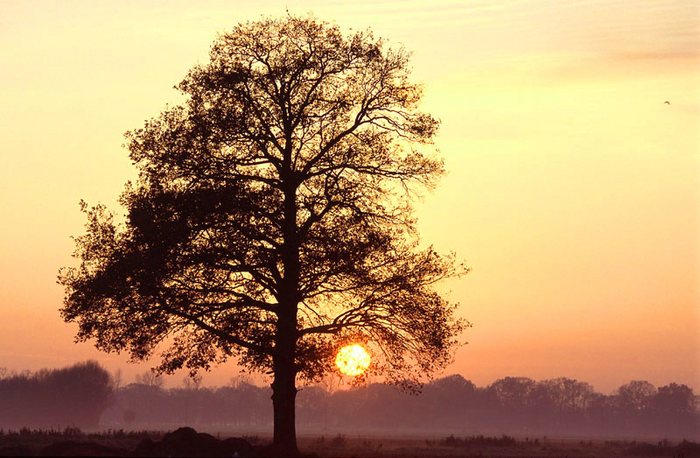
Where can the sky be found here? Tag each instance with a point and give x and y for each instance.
(572, 189)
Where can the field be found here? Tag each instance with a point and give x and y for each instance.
(72, 442)
(480, 446)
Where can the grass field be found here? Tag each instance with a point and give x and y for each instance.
(341, 446)
(73, 442)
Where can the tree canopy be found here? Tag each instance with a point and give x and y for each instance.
(71, 396)
(271, 220)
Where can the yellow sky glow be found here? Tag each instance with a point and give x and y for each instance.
(572, 188)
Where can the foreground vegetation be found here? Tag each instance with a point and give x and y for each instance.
(73, 442)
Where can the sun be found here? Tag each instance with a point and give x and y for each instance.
(352, 360)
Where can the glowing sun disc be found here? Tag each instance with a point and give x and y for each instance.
(352, 360)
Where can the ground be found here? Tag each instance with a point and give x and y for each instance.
(72, 442)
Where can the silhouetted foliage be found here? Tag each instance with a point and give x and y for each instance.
(664, 448)
(271, 221)
(452, 441)
(76, 396)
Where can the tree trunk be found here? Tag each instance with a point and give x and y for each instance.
(284, 442)
(284, 390)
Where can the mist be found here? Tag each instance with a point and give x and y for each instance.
(86, 396)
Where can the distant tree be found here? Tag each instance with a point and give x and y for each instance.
(636, 395)
(674, 410)
(312, 406)
(117, 380)
(72, 396)
(192, 383)
(565, 394)
(562, 404)
(674, 398)
(271, 220)
(446, 401)
(633, 407)
(150, 378)
(603, 414)
(511, 402)
(86, 389)
(513, 392)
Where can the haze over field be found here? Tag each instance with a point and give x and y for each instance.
(572, 189)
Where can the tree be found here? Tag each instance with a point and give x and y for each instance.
(513, 392)
(568, 395)
(271, 221)
(513, 402)
(635, 396)
(150, 379)
(633, 406)
(674, 399)
(71, 396)
(674, 410)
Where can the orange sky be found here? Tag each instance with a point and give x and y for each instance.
(572, 189)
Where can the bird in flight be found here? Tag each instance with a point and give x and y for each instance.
(667, 102)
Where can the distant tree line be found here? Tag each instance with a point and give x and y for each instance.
(55, 398)
(86, 396)
(512, 405)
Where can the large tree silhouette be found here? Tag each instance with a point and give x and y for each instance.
(271, 221)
